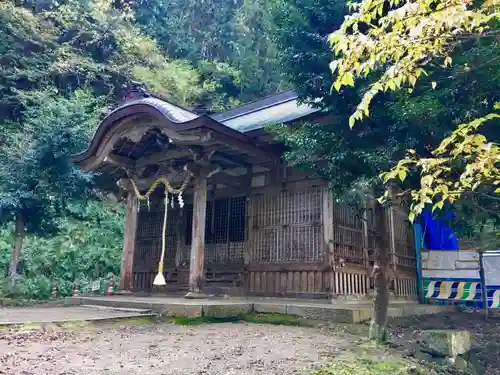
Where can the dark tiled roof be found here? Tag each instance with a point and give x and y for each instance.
(171, 111)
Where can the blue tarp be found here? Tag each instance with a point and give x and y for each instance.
(437, 235)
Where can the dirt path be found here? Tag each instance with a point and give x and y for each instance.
(218, 349)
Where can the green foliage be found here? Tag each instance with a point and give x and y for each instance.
(397, 46)
(173, 80)
(63, 63)
(36, 176)
(395, 42)
(417, 119)
(348, 159)
(275, 319)
(227, 41)
(87, 247)
(362, 366)
(299, 31)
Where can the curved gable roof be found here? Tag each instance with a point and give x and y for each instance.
(178, 124)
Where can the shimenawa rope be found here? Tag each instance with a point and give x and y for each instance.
(160, 279)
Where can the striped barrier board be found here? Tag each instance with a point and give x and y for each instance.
(466, 292)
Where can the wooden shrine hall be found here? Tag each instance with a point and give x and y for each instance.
(250, 224)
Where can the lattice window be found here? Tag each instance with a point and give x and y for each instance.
(224, 222)
(225, 227)
(403, 236)
(348, 233)
(148, 238)
(287, 226)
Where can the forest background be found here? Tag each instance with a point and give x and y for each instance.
(64, 63)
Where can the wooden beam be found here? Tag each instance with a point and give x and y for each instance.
(144, 183)
(120, 161)
(222, 178)
(163, 156)
(197, 259)
(259, 154)
(199, 169)
(235, 160)
(129, 237)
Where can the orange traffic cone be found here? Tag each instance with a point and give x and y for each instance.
(76, 293)
(111, 285)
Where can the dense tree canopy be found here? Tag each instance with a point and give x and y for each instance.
(400, 44)
(64, 62)
(416, 119)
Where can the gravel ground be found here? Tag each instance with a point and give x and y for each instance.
(218, 349)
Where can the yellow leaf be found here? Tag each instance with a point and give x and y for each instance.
(348, 79)
(366, 107)
(337, 85)
(351, 121)
(333, 65)
(497, 190)
(411, 217)
(402, 175)
(439, 205)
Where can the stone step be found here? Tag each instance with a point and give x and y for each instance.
(222, 307)
(123, 309)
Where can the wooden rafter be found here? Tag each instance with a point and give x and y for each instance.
(120, 161)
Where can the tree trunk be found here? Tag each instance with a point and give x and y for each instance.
(16, 252)
(378, 325)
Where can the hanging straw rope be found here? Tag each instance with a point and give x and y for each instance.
(160, 279)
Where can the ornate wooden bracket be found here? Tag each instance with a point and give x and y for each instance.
(200, 168)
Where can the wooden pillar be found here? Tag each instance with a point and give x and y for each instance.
(392, 237)
(392, 241)
(328, 240)
(129, 235)
(368, 222)
(197, 260)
